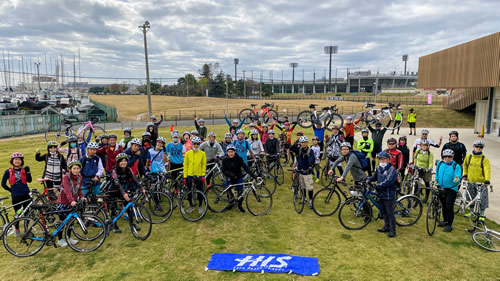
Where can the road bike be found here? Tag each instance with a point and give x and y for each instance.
(259, 199)
(356, 212)
(370, 116)
(68, 128)
(434, 208)
(265, 113)
(327, 200)
(258, 168)
(88, 229)
(487, 239)
(465, 201)
(158, 202)
(186, 198)
(329, 117)
(299, 191)
(214, 172)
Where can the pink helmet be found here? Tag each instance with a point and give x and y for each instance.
(16, 155)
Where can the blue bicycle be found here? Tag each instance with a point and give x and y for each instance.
(356, 212)
(89, 231)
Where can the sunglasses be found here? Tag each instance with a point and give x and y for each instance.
(448, 157)
(196, 144)
(478, 147)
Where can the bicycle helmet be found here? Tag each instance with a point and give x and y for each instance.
(230, 147)
(51, 144)
(195, 140)
(346, 144)
(303, 139)
(349, 117)
(424, 132)
(194, 132)
(186, 133)
(391, 140)
(236, 121)
(212, 134)
(121, 156)
(72, 138)
(478, 143)
(93, 145)
(112, 136)
(453, 133)
(378, 124)
(162, 139)
(73, 163)
(146, 134)
(255, 132)
(383, 154)
(300, 133)
(265, 125)
(271, 132)
(127, 130)
(315, 138)
(251, 125)
(135, 141)
(403, 138)
(287, 124)
(364, 131)
(201, 120)
(17, 155)
(150, 124)
(424, 142)
(240, 131)
(228, 135)
(448, 152)
(104, 136)
(152, 117)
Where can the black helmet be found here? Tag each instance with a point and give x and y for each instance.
(391, 140)
(411, 109)
(453, 133)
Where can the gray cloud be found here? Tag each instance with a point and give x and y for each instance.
(264, 35)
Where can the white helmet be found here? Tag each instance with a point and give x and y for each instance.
(479, 143)
(162, 139)
(236, 121)
(303, 139)
(271, 131)
(201, 120)
(448, 152)
(251, 125)
(255, 132)
(228, 135)
(230, 147)
(240, 131)
(135, 141)
(195, 140)
(175, 135)
(424, 131)
(211, 134)
(194, 132)
(148, 134)
(93, 145)
(345, 144)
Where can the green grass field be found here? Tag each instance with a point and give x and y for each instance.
(180, 250)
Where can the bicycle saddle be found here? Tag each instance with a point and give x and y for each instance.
(253, 104)
(385, 108)
(312, 105)
(370, 105)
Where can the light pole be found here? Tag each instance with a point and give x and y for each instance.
(405, 59)
(37, 64)
(236, 61)
(375, 92)
(329, 50)
(293, 65)
(145, 27)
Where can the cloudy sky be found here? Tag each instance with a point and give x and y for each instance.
(264, 35)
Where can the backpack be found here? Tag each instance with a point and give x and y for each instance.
(362, 159)
(482, 160)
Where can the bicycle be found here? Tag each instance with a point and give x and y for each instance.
(356, 212)
(433, 211)
(487, 239)
(274, 165)
(327, 200)
(329, 117)
(370, 117)
(413, 183)
(159, 203)
(35, 233)
(266, 112)
(215, 173)
(257, 168)
(4, 214)
(259, 199)
(299, 192)
(186, 197)
(55, 131)
(465, 201)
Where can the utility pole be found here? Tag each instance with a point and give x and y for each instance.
(272, 81)
(330, 50)
(244, 85)
(405, 59)
(37, 64)
(293, 65)
(314, 81)
(260, 84)
(303, 83)
(145, 27)
(282, 84)
(253, 85)
(236, 62)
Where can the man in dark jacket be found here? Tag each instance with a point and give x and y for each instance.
(377, 137)
(386, 177)
(304, 165)
(458, 148)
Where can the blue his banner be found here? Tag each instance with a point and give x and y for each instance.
(273, 263)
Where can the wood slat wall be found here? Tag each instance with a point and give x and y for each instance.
(474, 64)
(463, 98)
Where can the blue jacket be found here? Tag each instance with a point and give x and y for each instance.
(135, 163)
(446, 174)
(230, 124)
(386, 182)
(91, 167)
(320, 133)
(305, 162)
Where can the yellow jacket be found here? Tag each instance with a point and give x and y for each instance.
(195, 163)
(412, 117)
(473, 169)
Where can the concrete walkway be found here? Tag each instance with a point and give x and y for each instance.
(467, 137)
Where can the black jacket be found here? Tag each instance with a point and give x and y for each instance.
(459, 149)
(406, 154)
(272, 146)
(231, 167)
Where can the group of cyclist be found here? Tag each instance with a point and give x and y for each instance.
(76, 170)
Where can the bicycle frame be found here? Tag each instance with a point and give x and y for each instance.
(466, 194)
(262, 111)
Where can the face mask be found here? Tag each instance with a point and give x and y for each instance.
(202, 126)
(349, 121)
(72, 145)
(175, 140)
(382, 165)
(53, 153)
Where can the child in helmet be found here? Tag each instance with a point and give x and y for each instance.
(228, 139)
(186, 141)
(199, 123)
(91, 170)
(135, 160)
(55, 166)
(127, 137)
(72, 152)
(157, 157)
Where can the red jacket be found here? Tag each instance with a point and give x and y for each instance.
(66, 196)
(264, 135)
(396, 159)
(110, 155)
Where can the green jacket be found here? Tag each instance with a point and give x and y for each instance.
(412, 117)
(398, 116)
(473, 169)
(365, 146)
(424, 161)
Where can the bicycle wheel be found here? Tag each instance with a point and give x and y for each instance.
(431, 219)
(299, 199)
(90, 231)
(408, 210)
(325, 179)
(140, 221)
(218, 200)
(30, 241)
(326, 202)
(218, 178)
(56, 131)
(304, 119)
(96, 210)
(387, 120)
(248, 113)
(270, 182)
(334, 120)
(2, 225)
(363, 121)
(160, 206)
(279, 174)
(354, 214)
(487, 240)
(193, 205)
(259, 201)
(273, 115)
(96, 132)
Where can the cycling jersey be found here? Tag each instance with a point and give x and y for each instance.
(242, 147)
(156, 157)
(176, 152)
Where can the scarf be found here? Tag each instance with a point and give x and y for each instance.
(74, 189)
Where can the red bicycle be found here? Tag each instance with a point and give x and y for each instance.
(266, 112)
